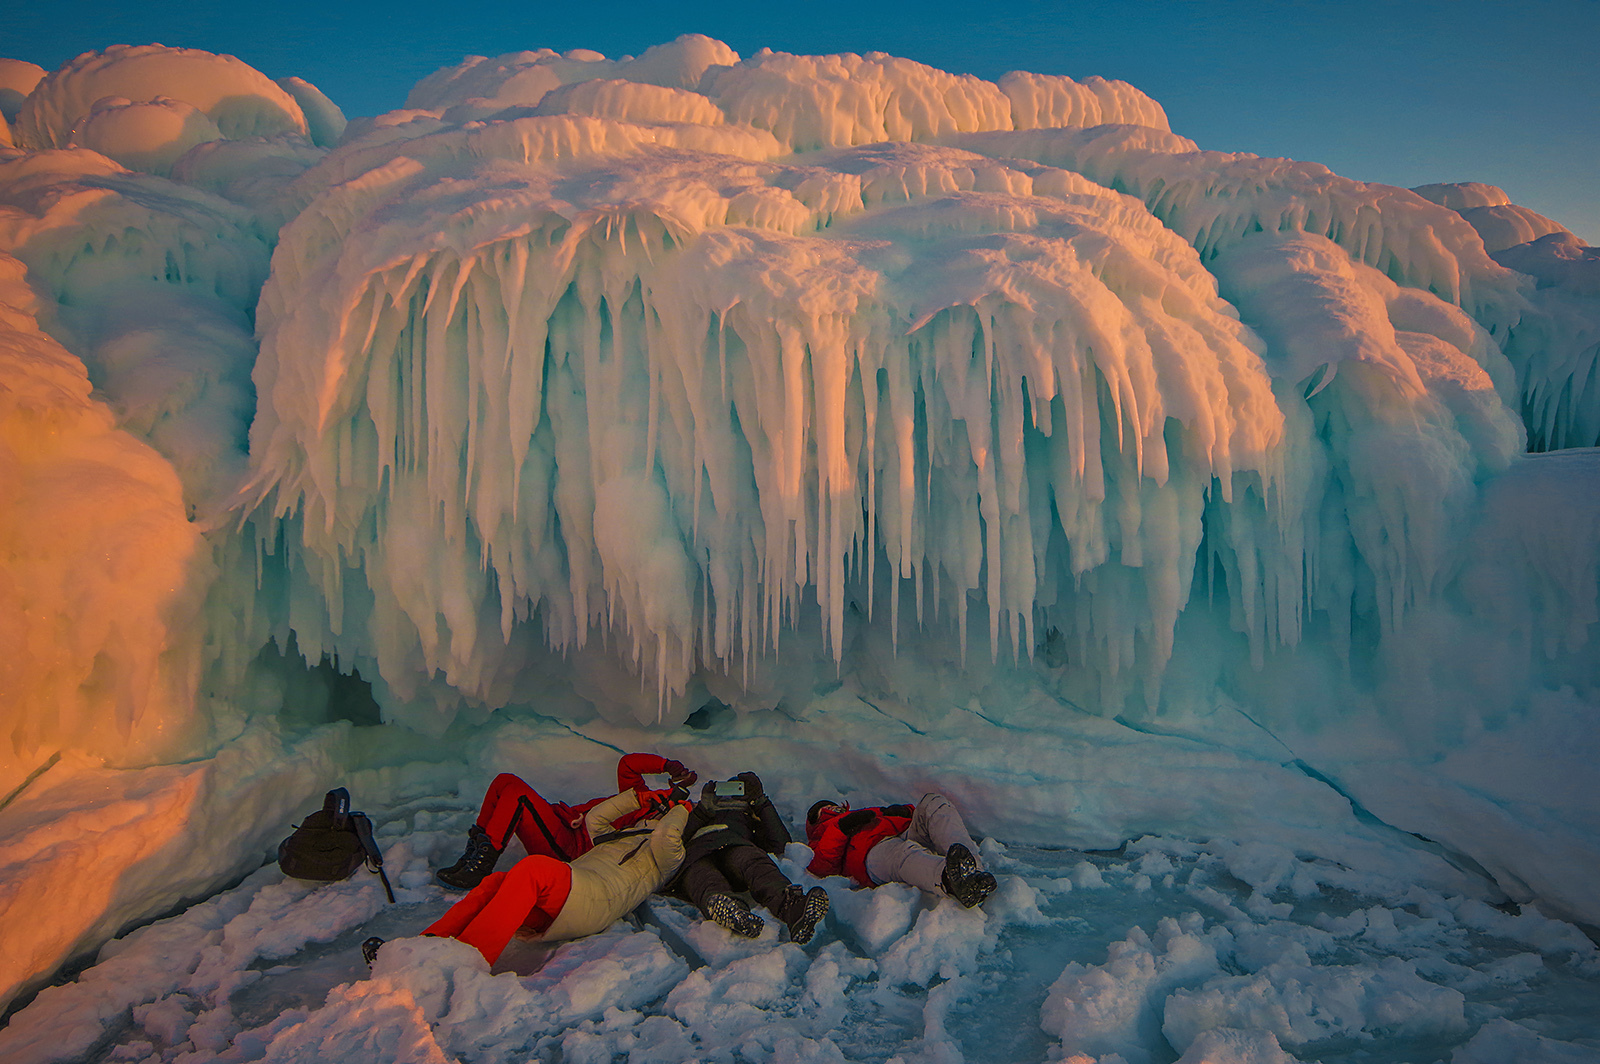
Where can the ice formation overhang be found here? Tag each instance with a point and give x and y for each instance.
(663, 358)
(682, 366)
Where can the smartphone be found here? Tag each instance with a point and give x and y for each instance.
(728, 789)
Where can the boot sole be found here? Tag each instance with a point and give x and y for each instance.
(817, 905)
(965, 882)
(726, 912)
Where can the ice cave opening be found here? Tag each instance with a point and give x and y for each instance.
(1220, 534)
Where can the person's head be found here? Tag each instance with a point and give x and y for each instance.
(823, 808)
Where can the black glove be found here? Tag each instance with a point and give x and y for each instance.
(752, 787)
(858, 821)
(899, 810)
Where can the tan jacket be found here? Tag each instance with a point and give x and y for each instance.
(615, 876)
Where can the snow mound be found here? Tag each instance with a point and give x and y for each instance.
(239, 99)
(143, 136)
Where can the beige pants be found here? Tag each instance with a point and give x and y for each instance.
(916, 855)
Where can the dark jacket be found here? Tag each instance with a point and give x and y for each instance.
(840, 841)
(716, 823)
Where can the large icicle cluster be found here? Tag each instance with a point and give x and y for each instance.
(658, 375)
(603, 358)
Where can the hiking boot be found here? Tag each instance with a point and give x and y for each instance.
(802, 913)
(730, 912)
(369, 950)
(477, 862)
(963, 880)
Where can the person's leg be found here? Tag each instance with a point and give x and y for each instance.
(531, 892)
(701, 879)
(511, 807)
(898, 859)
(799, 910)
(937, 824)
(752, 868)
(461, 913)
(706, 883)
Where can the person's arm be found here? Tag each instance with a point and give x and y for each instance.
(770, 832)
(827, 856)
(600, 819)
(666, 841)
(773, 830)
(633, 768)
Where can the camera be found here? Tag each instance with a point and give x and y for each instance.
(728, 789)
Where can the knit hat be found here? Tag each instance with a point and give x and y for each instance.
(817, 807)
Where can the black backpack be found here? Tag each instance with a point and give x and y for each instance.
(330, 844)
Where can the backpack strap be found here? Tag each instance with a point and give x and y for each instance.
(362, 826)
(525, 806)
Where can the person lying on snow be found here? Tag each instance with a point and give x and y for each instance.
(554, 901)
(729, 840)
(511, 807)
(927, 847)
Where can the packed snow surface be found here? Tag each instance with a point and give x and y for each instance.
(873, 427)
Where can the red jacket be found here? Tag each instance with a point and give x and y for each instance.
(840, 839)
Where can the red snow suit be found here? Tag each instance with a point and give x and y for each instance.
(840, 839)
(556, 829)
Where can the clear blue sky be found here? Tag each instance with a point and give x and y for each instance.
(1501, 91)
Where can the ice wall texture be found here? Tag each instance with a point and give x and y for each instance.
(96, 601)
(125, 399)
(685, 374)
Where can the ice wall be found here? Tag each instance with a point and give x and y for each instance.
(97, 603)
(623, 371)
(663, 377)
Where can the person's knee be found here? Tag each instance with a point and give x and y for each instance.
(506, 781)
(536, 867)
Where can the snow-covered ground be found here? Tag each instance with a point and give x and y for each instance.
(1160, 950)
(1299, 931)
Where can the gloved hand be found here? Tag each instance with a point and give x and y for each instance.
(752, 787)
(678, 775)
(899, 810)
(656, 803)
(858, 821)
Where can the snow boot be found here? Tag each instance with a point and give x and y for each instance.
(802, 913)
(730, 912)
(963, 880)
(478, 861)
(369, 950)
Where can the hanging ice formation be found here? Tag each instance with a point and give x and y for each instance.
(665, 374)
(660, 353)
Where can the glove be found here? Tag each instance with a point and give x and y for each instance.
(858, 821)
(899, 810)
(752, 787)
(678, 775)
(655, 803)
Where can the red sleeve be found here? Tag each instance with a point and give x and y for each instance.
(828, 852)
(633, 768)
